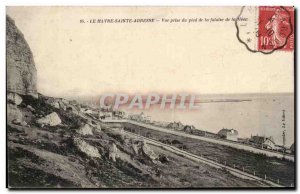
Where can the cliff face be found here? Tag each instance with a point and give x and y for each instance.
(21, 71)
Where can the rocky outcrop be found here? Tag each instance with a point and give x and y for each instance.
(21, 71)
(14, 98)
(51, 120)
(141, 148)
(148, 152)
(87, 148)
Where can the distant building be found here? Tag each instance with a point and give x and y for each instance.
(105, 115)
(269, 144)
(119, 114)
(229, 134)
(263, 142)
(192, 130)
(140, 117)
(147, 119)
(189, 128)
(176, 126)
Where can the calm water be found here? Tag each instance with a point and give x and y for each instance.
(260, 116)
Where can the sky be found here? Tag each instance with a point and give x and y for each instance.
(76, 59)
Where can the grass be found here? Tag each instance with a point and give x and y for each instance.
(20, 176)
(274, 168)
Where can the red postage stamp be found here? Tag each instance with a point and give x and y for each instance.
(275, 28)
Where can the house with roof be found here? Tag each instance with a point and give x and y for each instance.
(176, 126)
(263, 142)
(189, 128)
(141, 117)
(229, 134)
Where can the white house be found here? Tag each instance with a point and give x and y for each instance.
(229, 134)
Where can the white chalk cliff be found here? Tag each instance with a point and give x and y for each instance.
(21, 71)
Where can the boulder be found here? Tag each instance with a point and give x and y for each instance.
(13, 113)
(21, 71)
(87, 148)
(14, 98)
(51, 119)
(56, 103)
(141, 148)
(23, 123)
(85, 130)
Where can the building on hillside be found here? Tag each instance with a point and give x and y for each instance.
(189, 128)
(176, 126)
(119, 114)
(229, 134)
(105, 115)
(263, 142)
(140, 117)
(147, 119)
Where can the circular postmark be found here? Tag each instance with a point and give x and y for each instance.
(266, 29)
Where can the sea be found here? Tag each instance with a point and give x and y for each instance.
(268, 115)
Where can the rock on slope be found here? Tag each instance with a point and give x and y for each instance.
(21, 71)
(51, 144)
(58, 156)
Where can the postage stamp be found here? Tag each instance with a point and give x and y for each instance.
(276, 28)
(266, 29)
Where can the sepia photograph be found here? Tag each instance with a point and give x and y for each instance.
(150, 97)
